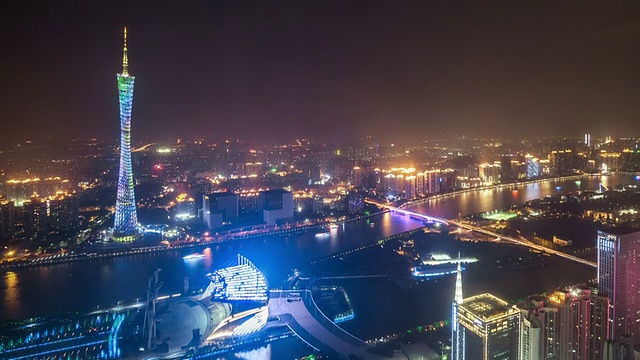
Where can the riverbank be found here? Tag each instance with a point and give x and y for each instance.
(129, 249)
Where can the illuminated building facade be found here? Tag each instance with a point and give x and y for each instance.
(533, 167)
(126, 219)
(570, 324)
(35, 217)
(619, 279)
(7, 218)
(55, 214)
(489, 173)
(530, 330)
(582, 325)
(492, 326)
(22, 190)
(561, 161)
(63, 212)
(241, 282)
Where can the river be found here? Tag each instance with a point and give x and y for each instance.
(84, 285)
(477, 201)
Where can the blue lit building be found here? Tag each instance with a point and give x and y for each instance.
(126, 220)
(533, 167)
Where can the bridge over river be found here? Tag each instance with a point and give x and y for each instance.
(468, 226)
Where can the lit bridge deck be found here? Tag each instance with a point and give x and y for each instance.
(463, 225)
(297, 309)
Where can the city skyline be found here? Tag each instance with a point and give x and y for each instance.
(293, 166)
(294, 69)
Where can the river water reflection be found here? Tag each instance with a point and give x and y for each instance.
(478, 201)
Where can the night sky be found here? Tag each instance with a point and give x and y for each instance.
(327, 69)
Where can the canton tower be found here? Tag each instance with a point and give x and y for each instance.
(126, 221)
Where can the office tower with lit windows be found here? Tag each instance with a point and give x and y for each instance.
(569, 324)
(126, 220)
(582, 325)
(619, 279)
(492, 328)
(7, 218)
(530, 341)
(35, 217)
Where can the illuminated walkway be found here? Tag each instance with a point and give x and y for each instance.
(466, 226)
(315, 329)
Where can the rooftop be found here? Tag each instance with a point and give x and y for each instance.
(220, 195)
(486, 306)
(622, 230)
(275, 191)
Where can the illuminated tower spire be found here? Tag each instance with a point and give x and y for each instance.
(125, 226)
(457, 331)
(458, 294)
(125, 58)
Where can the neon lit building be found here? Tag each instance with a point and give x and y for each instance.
(126, 220)
(241, 282)
(619, 278)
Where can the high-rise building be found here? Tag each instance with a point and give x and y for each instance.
(489, 173)
(62, 211)
(219, 208)
(492, 328)
(276, 206)
(570, 324)
(619, 279)
(22, 190)
(7, 218)
(561, 161)
(582, 327)
(457, 331)
(623, 349)
(35, 216)
(126, 219)
(530, 341)
(533, 167)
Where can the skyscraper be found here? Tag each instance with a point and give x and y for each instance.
(126, 220)
(492, 325)
(619, 279)
(570, 324)
(457, 332)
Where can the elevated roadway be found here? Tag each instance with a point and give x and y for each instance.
(299, 311)
(471, 227)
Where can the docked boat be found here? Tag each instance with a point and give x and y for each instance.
(438, 265)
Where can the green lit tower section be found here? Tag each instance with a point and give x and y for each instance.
(125, 227)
